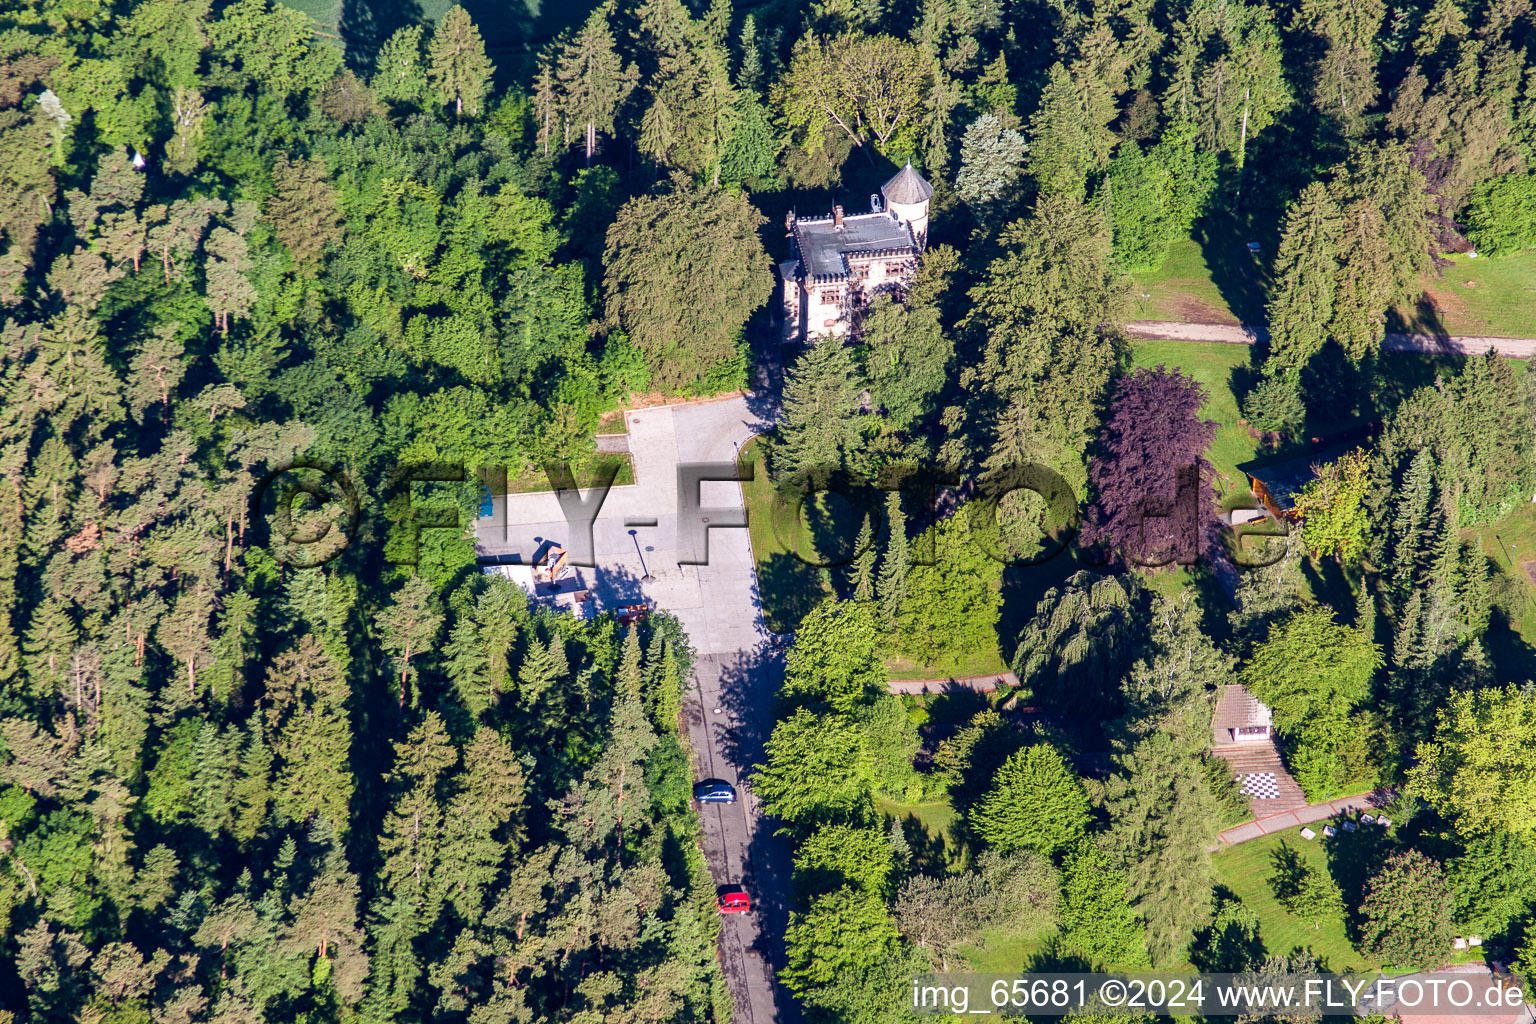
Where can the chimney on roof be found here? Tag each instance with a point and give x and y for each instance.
(837, 217)
(789, 221)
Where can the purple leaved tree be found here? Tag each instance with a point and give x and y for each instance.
(1153, 502)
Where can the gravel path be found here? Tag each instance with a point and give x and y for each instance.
(1247, 334)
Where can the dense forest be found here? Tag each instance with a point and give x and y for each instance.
(243, 781)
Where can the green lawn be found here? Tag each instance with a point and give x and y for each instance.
(1511, 543)
(1004, 952)
(929, 830)
(1245, 870)
(534, 479)
(984, 664)
(1477, 297)
(1184, 288)
(789, 587)
(1217, 282)
(1213, 365)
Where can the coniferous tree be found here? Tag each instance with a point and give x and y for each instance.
(409, 625)
(412, 837)
(750, 70)
(325, 917)
(907, 359)
(467, 667)
(689, 115)
(1226, 76)
(1082, 636)
(631, 675)
(991, 163)
(1069, 135)
(537, 674)
(895, 564)
(229, 292)
(400, 75)
(1306, 270)
(311, 734)
(1384, 243)
(190, 111)
(481, 822)
(1035, 802)
(1344, 82)
(458, 71)
(593, 80)
(184, 633)
(820, 428)
(1047, 312)
(1162, 816)
(863, 574)
(304, 209)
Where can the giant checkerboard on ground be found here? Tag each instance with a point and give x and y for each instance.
(1259, 785)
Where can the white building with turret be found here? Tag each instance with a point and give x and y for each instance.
(840, 263)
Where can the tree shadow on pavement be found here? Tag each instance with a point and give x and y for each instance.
(748, 697)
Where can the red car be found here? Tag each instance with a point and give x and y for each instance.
(734, 902)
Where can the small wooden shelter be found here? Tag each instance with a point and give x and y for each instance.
(1240, 717)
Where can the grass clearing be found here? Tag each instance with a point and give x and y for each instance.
(1213, 282)
(1002, 951)
(1492, 297)
(1213, 365)
(612, 422)
(930, 830)
(1184, 288)
(533, 479)
(788, 586)
(1245, 869)
(981, 664)
(1511, 543)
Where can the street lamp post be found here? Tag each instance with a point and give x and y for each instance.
(646, 577)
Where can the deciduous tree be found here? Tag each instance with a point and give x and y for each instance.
(866, 88)
(1478, 769)
(682, 273)
(1406, 916)
(1036, 802)
(1152, 450)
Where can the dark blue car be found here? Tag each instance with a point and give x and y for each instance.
(714, 791)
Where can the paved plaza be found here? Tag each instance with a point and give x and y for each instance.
(717, 602)
(729, 709)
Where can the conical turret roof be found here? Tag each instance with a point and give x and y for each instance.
(907, 187)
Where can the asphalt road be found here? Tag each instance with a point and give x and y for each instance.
(1247, 334)
(729, 713)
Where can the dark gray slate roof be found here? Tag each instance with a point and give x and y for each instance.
(1285, 479)
(907, 187)
(822, 245)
